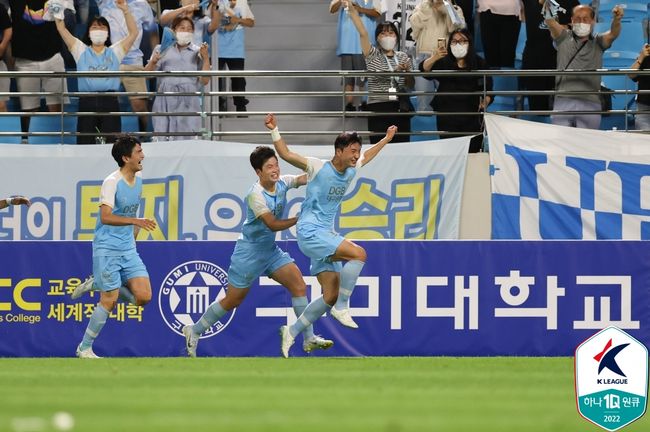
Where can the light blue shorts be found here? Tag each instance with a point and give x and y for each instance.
(112, 272)
(249, 261)
(320, 245)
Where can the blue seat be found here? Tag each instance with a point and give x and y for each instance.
(424, 123)
(613, 59)
(504, 102)
(10, 124)
(52, 124)
(130, 124)
(634, 11)
(630, 38)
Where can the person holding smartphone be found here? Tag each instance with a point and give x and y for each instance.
(642, 62)
(431, 24)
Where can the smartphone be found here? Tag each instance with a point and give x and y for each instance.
(442, 42)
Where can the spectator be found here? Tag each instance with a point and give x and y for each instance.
(459, 55)
(430, 23)
(96, 53)
(36, 46)
(5, 28)
(235, 16)
(133, 61)
(204, 25)
(577, 49)
(182, 56)
(382, 89)
(500, 24)
(642, 120)
(348, 47)
(539, 52)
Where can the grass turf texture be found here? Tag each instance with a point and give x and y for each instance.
(313, 394)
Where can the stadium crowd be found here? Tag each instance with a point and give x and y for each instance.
(461, 35)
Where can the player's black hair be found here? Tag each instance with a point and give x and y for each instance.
(260, 155)
(123, 146)
(345, 139)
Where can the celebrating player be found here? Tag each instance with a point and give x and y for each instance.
(117, 268)
(327, 183)
(256, 252)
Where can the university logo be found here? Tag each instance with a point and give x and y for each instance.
(188, 290)
(611, 375)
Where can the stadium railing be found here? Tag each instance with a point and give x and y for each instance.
(332, 98)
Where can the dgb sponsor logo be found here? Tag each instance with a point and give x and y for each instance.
(188, 290)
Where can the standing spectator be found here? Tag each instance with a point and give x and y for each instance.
(577, 49)
(430, 23)
(539, 52)
(5, 28)
(500, 24)
(235, 17)
(133, 61)
(36, 46)
(348, 47)
(96, 53)
(182, 56)
(382, 89)
(642, 120)
(204, 24)
(459, 55)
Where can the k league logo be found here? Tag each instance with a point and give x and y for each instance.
(188, 290)
(611, 370)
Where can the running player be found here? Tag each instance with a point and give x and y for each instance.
(117, 268)
(256, 252)
(328, 181)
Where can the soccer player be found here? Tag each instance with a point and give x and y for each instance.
(117, 268)
(15, 200)
(327, 183)
(256, 252)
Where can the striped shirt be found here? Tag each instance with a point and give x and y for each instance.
(376, 61)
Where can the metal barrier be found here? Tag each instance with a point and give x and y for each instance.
(213, 119)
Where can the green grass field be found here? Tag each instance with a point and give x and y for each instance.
(313, 394)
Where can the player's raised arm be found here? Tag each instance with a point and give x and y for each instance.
(373, 151)
(281, 147)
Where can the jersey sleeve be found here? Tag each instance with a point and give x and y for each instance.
(290, 180)
(107, 194)
(78, 49)
(257, 203)
(118, 50)
(313, 166)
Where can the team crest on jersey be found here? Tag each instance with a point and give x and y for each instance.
(187, 291)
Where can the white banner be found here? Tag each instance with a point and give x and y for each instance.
(556, 182)
(194, 190)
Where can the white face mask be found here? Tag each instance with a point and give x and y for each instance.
(184, 38)
(98, 37)
(388, 42)
(459, 50)
(582, 29)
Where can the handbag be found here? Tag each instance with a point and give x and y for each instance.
(605, 100)
(404, 100)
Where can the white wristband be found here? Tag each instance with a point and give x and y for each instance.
(275, 134)
(10, 201)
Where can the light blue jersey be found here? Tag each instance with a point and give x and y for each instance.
(124, 200)
(232, 43)
(89, 60)
(325, 190)
(260, 201)
(143, 16)
(347, 34)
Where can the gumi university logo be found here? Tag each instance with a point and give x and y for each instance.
(187, 291)
(611, 370)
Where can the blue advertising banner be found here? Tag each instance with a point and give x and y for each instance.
(469, 298)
